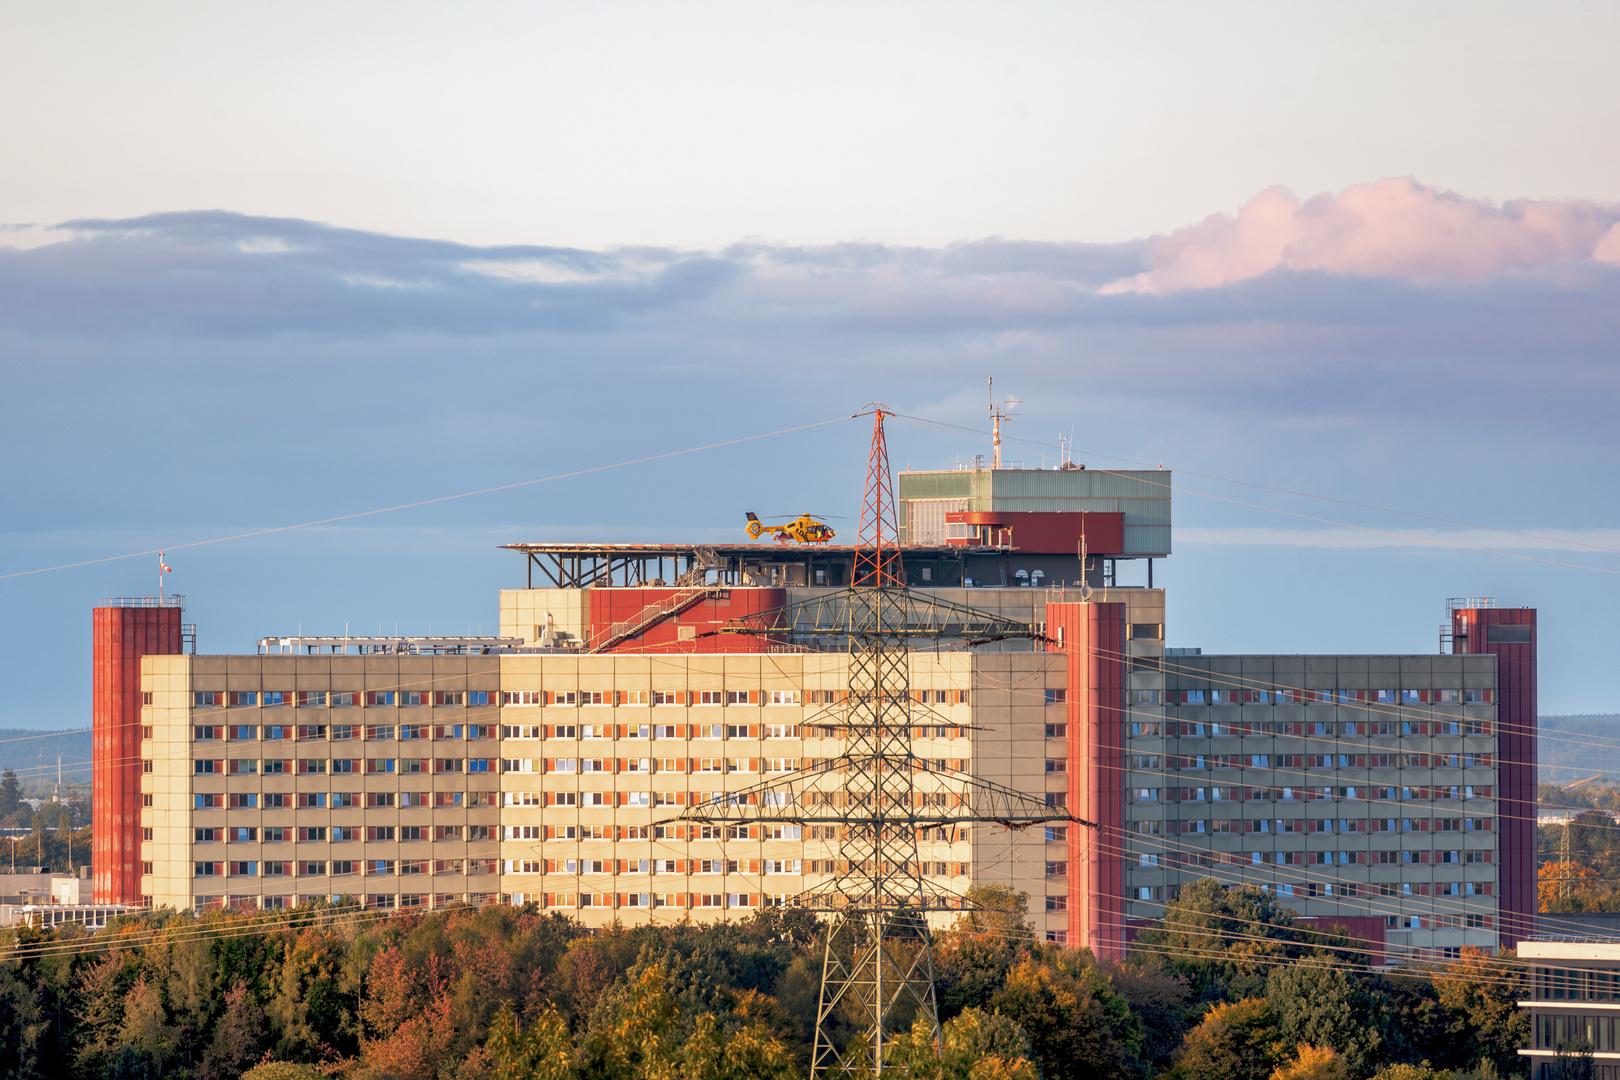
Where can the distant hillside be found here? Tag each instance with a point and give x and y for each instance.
(1572, 747)
(33, 753)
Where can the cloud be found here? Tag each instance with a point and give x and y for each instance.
(1393, 228)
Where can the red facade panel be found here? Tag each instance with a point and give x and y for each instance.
(1092, 638)
(1475, 630)
(1050, 533)
(684, 629)
(121, 636)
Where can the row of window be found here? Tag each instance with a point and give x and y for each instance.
(335, 766)
(673, 832)
(646, 765)
(309, 800)
(1307, 794)
(332, 732)
(374, 699)
(1310, 697)
(1577, 984)
(1556, 1031)
(1327, 890)
(1218, 826)
(339, 867)
(1310, 761)
(337, 699)
(1331, 858)
(1327, 729)
(337, 834)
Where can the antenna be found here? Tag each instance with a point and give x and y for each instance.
(878, 798)
(999, 411)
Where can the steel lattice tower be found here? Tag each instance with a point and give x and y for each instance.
(878, 795)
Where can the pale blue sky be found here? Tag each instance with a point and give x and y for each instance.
(289, 263)
(703, 123)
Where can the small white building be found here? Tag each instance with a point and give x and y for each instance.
(1574, 1002)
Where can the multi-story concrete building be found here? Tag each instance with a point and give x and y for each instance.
(550, 763)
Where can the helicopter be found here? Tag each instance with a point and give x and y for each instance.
(804, 529)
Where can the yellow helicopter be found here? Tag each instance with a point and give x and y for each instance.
(804, 529)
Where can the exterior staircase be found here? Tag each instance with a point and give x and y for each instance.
(653, 614)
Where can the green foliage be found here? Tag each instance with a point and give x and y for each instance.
(1225, 942)
(1239, 1040)
(510, 993)
(972, 1046)
(1406, 1071)
(10, 798)
(1321, 1005)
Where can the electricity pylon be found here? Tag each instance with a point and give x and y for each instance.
(877, 797)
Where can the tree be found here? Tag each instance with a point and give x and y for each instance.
(1313, 1063)
(1319, 1005)
(1236, 1041)
(1480, 995)
(542, 1052)
(972, 1046)
(1225, 941)
(1079, 1026)
(237, 1037)
(1407, 1071)
(10, 795)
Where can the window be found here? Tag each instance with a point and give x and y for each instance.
(206, 699)
(1057, 903)
(1057, 731)
(242, 699)
(1056, 765)
(1144, 697)
(273, 698)
(207, 733)
(1056, 697)
(1502, 634)
(312, 731)
(1147, 631)
(206, 869)
(379, 698)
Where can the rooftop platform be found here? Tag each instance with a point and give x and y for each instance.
(580, 566)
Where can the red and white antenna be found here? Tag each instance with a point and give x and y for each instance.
(163, 568)
(877, 547)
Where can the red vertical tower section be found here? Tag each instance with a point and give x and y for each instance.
(123, 631)
(1509, 634)
(1092, 638)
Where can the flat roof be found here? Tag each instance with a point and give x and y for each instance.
(653, 551)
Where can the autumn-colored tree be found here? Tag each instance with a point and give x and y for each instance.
(1235, 1041)
(970, 1047)
(1313, 1063)
(1080, 1027)
(1480, 993)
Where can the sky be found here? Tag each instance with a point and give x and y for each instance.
(277, 265)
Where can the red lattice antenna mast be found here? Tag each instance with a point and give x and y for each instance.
(877, 548)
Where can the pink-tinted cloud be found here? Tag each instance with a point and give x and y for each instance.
(1393, 228)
